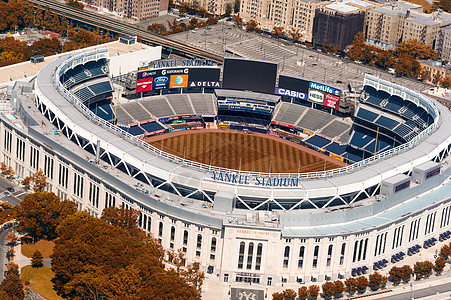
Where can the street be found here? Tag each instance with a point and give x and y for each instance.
(13, 198)
(417, 294)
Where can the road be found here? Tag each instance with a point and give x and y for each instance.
(13, 198)
(417, 294)
(3, 252)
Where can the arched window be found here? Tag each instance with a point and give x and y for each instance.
(199, 241)
(354, 255)
(329, 255)
(241, 256)
(258, 260)
(213, 245)
(315, 256)
(160, 229)
(342, 256)
(172, 233)
(286, 256)
(185, 237)
(301, 257)
(250, 254)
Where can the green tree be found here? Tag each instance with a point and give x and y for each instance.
(37, 259)
(40, 213)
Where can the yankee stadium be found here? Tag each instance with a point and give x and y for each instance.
(265, 178)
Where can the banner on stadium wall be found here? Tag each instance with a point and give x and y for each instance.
(337, 157)
(316, 96)
(178, 81)
(223, 126)
(144, 85)
(282, 124)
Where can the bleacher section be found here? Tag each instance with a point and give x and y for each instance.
(84, 94)
(157, 106)
(335, 129)
(289, 113)
(203, 104)
(83, 73)
(101, 87)
(386, 122)
(396, 105)
(151, 127)
(180, 103)
(122, 116)
(103, 109)
(365, 139)
(318, 141)
(137, 112)
(315, 120)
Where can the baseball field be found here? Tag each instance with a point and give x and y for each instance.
(242, 151)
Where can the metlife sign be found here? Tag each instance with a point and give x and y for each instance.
(290, 93)
(324, 88)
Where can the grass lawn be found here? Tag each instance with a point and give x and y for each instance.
(40, 281)
(46, 248)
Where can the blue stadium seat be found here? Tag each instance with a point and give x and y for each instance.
(101, 87)
(84, 94)
(318, 141)
(151, 126)
(386, 122)
(103, 109)
(336, 148)
(367, 115)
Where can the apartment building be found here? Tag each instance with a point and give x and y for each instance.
(337, 23)
(213, 7)
(434, 68)
(298, 14)
(139, 10)
(443, 43)
(403, 21)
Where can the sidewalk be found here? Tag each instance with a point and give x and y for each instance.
(19, 258)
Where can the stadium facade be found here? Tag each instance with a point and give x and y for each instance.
(320, 226)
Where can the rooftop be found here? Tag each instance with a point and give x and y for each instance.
(399, 7)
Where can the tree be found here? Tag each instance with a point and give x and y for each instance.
(443, 4)
(228, 9)
(37, 259)
(211, 21)
(446, 82)
(357, 47)
(157, 28)
(252, 25)
(415, 50)
(328, 289)
(38, 180)
(351, 285)
(277, 296)
(423, 268)
(445, 251)
(278, 31)
(46, 47)
(289, 294)
(238, 21)
(11, 238)
(11, 284)
(193, 22)
(295, 34)
(339, 288)
(75, 3)
(40, 213)
(361, 283)
(123, 218)
(92, 258)
(375, 281)
(400, 273)
(313, 291)
(407, 66)
(303, 293)
(440, 263)
(236, 6)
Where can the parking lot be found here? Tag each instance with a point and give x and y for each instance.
(295, 59)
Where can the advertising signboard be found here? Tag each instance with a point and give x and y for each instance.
(316, 96)
(331, 101)
(161, 82)
(144, 84)
(178, 81)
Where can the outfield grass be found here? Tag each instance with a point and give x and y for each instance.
(45, 247)
(40, 281)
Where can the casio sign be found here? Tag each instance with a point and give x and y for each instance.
(290, 93)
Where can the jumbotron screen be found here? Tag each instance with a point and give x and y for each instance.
(250, 75)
